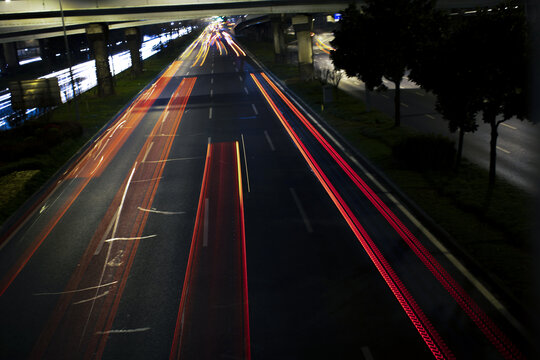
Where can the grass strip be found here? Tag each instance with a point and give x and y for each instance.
(496, 235)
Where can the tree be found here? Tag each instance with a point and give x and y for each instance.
(501, 67)
(443, 66)
(382, 41)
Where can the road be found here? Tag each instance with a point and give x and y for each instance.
(217, 218)
(517, 155)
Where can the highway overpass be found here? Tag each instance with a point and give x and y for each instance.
(36, 19)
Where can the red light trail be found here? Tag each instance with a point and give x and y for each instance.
(431, 337)
(469, 306)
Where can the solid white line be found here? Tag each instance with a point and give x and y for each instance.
(122, 331)
(367, 353)
(459, 266)
(254, 109)
(205, 226)
(130, 238)
(269, 141)
(301, 210)
(503, 150)
(78, 290)
(92, 299)
(430, 116)
(245, 162)
(246, 91)
(509, 126)
(161, 212)
(147, 151)
(210, 113)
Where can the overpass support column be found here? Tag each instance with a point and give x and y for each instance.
(97, 38)
(303, 25)
(133, 37)
(10, 55)
(278, 30)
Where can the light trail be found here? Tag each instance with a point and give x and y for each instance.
(424, 327)
(501, 342)
(90, 167)
(130, 226)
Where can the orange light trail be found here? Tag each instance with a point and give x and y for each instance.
(424, 327)
(132, 223)
(501, 342)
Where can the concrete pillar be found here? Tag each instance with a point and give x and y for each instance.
(10, 55)
(134, 41)
(278, 31)
(97, 38)
(303, 25)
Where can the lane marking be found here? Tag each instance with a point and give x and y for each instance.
(211, 80)
(122, 331)
(147, 151)
(240, 77)
(205, 222)
(430, 116)
(76, 291)
(211, 92)
(130, 238)
(509, 126)
(210, 113)
(303, 214)
(161, 212)
(212, 71)
(419, 93)
(503, 150)
(404, 105)
(269, 140)
(254, 109)
(246, 90)
(245, 162)
(385, 96)
(367, 353)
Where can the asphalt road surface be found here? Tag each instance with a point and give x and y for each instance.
(216, 218)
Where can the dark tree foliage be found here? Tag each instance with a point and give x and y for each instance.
(382, 41)
(443, 66)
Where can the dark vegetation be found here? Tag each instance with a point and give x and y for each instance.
(34, 151)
